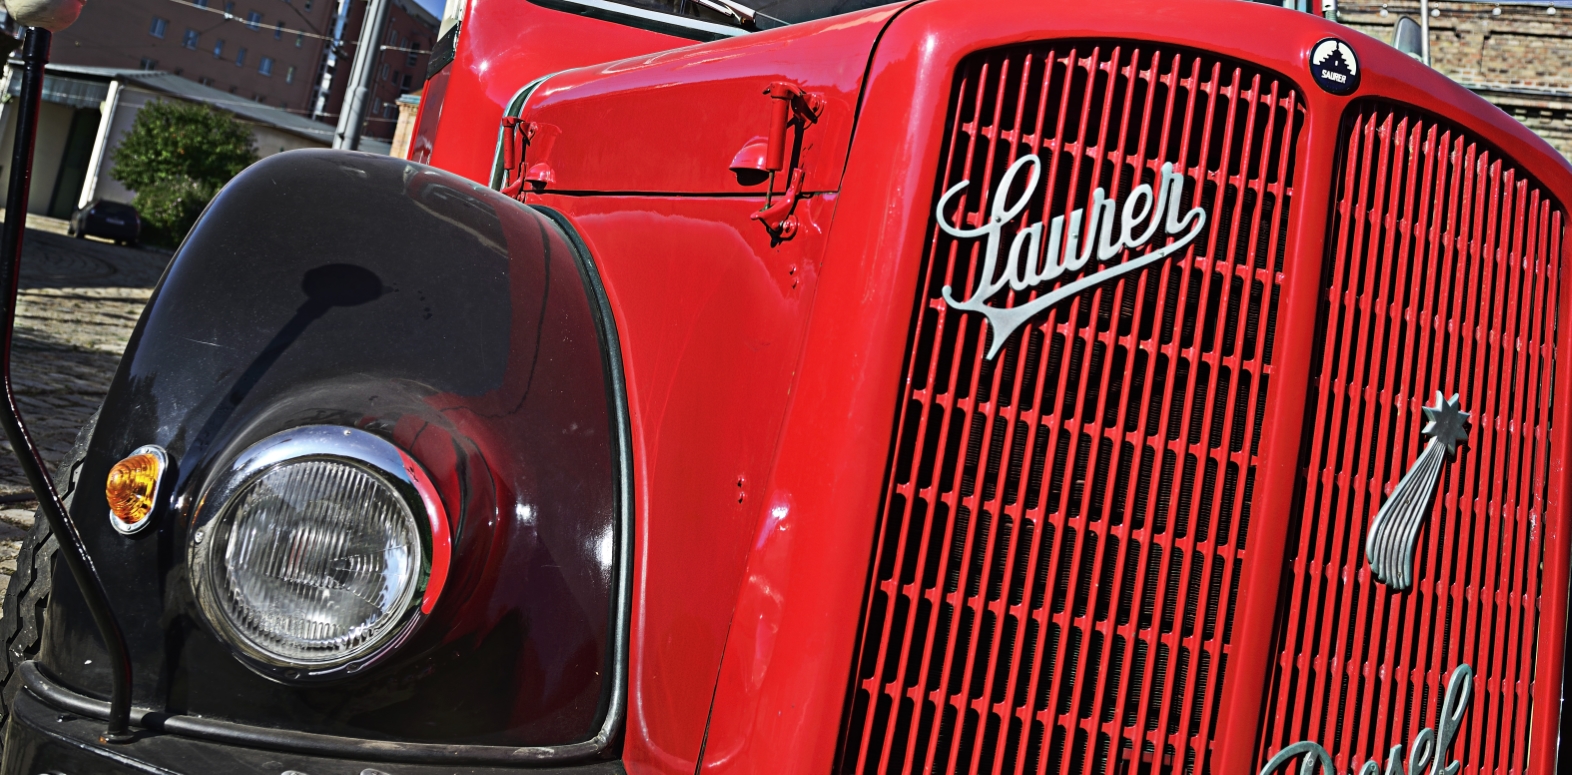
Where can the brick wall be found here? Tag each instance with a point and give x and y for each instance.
(277, 68)
(1516, 55)
(396, 72)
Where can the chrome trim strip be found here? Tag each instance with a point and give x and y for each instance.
(514, 109)
(611, 353)
(64, 699)
(657, 17)
(330, 442)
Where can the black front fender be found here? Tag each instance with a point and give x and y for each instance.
(341, 288)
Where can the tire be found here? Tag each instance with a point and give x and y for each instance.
(27, 596)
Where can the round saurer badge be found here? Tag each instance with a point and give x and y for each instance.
(1334, 66)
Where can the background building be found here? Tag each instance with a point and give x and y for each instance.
(87, 110)
(274, 52)
(1517, 55)
(400, 64)
(267, 51)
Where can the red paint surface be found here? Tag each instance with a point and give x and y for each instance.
(430, 114)
(502, 47)
(673, 122)
(710, 317)
(441, 538)
(1408, 319)
(731, 378)
(1010, 609)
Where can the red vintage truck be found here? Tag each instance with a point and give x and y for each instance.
(1008, 387)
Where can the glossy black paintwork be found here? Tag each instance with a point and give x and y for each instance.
(328, 287)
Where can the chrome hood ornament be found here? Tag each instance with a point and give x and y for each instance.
(1390, 545)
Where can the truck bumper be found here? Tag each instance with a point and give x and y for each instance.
(41, 739)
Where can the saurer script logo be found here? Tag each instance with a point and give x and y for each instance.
(1429, 748)
(1102, 231)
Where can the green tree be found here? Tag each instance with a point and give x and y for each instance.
(176, 157)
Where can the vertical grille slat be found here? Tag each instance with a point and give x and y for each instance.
(1075, 615)
(1442, 274)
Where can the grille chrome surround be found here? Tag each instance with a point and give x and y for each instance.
(1439, 247)
(1113, 439)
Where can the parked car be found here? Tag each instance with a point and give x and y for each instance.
(1158, 387)
(111, 220)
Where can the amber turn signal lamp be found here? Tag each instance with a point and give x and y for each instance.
(132, 488)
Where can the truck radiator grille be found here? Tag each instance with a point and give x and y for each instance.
(1052, 585)
(1442, 274)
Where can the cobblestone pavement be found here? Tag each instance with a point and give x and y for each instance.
(78, 303)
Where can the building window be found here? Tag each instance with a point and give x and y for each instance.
(229, 9)
(392, 37)
(240, 58)
(289, 75)
(278, 31)
(266, 67)
(205, 81)
(308, 5)
(254, 20)
(300, 39)
(383, 74)
(410, 60)
(218, 49)
(158, 28)
(149, 64)
(199, 3)
(190, 40)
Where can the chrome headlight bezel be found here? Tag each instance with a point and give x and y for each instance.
(371, 454)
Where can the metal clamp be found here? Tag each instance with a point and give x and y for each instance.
(790, 105)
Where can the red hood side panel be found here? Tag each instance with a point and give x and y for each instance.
(503, 46)
(674, 121)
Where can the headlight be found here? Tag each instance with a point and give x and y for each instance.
(320, 547)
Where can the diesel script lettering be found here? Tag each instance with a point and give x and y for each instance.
(1429, 747)
(1104, 231)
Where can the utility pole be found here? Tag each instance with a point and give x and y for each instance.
(1424, 32)
(353, 113)
(332, 52)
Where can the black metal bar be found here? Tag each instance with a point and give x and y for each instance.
(35, 54)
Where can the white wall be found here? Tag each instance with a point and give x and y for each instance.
(54, 127)
(271, 141)
(102, 186)
(268, 142)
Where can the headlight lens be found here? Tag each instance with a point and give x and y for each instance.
(313, 561)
